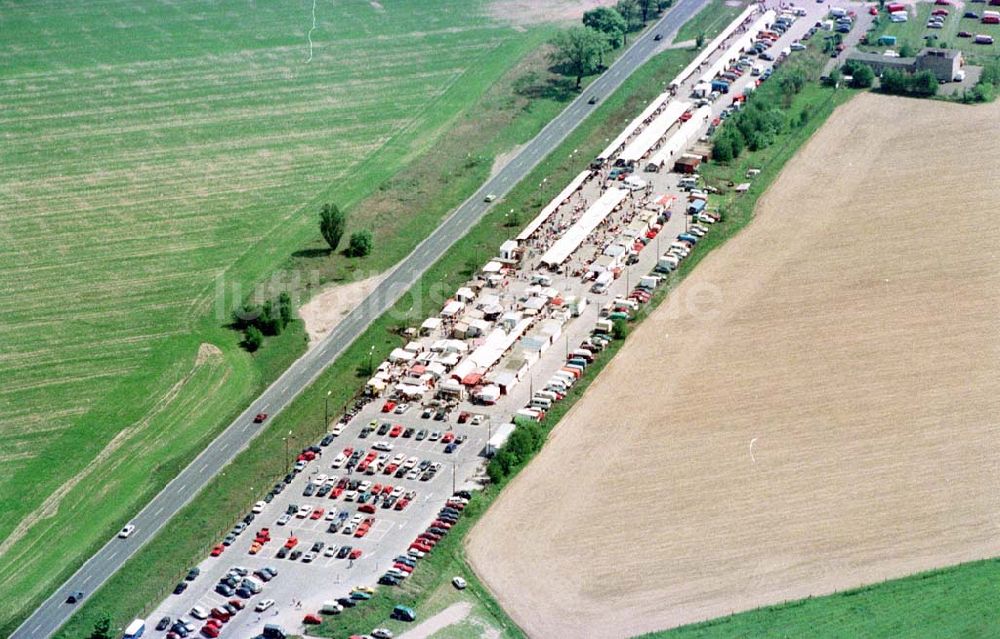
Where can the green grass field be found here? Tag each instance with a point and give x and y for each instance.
(915, 29)
(152, 150)
(956, 602)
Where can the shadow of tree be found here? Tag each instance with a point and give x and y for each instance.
(533, 86)
(312, 252)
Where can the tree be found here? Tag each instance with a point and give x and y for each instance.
(270, 319)
(645, 6)
(906, 50)
(894, 81)
(632, 12)
(834, 78)
(609, 22)
(253, 339)
(360, 244)
(578, 50)
(102, 629)
(924, 83)
(699, 41)
(619, 329)
(862, 76)
(331, 224)
(285, 308)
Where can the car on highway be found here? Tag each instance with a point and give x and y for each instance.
(658, 37)
(126, 531)
(489, 198)
(593, 99)
(259, 418)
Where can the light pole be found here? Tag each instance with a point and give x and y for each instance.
(326, 410)
(371, 351)
(454, 472)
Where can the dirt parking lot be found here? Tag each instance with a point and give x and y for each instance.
(831, 419)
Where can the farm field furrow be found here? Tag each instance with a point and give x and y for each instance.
(151, 148)
(816, 407)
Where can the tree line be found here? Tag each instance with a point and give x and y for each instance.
(256, 321)
(579, 51)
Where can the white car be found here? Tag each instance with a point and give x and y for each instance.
(382, 633)
(416, 554)
(476, 420)
(259, 507)
(348, 529)
(398, 491)
(300, 465)
(357, 518)
(339, 460)
(331, 514)
(364, 486)
(696, 231)
(320, 479)
(332, 481)
(459, 583)
(126, 531)
(198, 612)
(304, 511)
(413, 474)
(308, 557)
(411, 462)
(263, 605)
(330, 551)
(350, 495)
(382, 445)
(398, 459)
(284, 519)
(338, 429)
(402, 408)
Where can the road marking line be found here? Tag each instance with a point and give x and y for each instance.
(204, 468)
(37, 628)
(87, 579)
(181, 489)
(158, 511)
(113, 555)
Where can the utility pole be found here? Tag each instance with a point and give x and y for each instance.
(454, 472)
(371, 351)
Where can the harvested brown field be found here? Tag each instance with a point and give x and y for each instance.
(854, 341)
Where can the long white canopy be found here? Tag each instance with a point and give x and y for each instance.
(641, 145)
(577, 233)
(551, 207)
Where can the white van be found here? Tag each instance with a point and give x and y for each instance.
(540, 402)
(688, 182)
(549, 395)
(331, 608)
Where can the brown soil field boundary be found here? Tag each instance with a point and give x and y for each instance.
(815, 408)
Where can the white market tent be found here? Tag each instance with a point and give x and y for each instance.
(641, 145)
(680, 140)
(552, 206)
(632, 126)
(491, 350)
(712, 46)
(431, 324)
(743, 42)
(577, 233)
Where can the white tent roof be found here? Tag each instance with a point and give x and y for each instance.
(431, 323)
(400, 355)
(492, 267)
(633, 125)
(733, 51)
(452, 308)
(643, 142)
(680, 140)
(551, 207)
(713, 45)
(577, 233)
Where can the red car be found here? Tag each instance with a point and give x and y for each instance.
(210, 631)
(386, 489)
(355, 554)
(218, 550)
(336, 492)
(686, 116)
(292, 542)
(236, 603)
(259, 418)
(873, 11)
(388, 407)
(316, 514)
(419, 545)
(438, 523)
(367, 508)
(390, 469)
(463, 417)
(396, 431)
(361, 531)
(312, 620)
(403, 567)
(221, 615)
(447, 438)
(401, 504)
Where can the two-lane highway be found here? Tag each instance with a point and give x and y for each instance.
(54, 612)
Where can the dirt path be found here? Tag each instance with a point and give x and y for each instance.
(830, 417)
(450, 616)
(327, 308)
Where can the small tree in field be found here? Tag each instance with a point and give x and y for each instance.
(360, 244)
(253, 339)
(331, 224)
(619, 329)
(102, 629)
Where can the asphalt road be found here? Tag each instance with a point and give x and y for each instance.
(54, 612)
